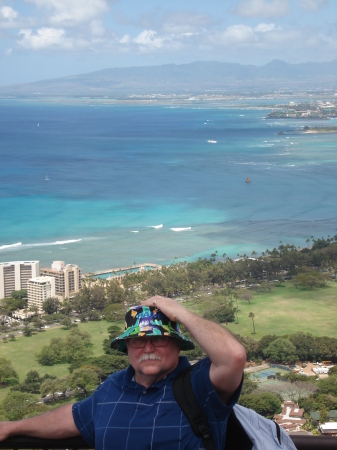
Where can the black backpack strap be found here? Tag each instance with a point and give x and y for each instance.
(278, 431)
(184, 395)
(236, 436)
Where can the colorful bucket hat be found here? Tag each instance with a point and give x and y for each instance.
(148, 321)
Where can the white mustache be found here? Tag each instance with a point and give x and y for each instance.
(147, 356)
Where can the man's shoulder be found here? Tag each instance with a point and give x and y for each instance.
(120, 378)
(201, 366)
(203, 363)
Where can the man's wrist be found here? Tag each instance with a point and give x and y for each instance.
(7, 430)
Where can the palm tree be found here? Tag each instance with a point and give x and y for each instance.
(251, 316)
(235, 295)
(235, 310)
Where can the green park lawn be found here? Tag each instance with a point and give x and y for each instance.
(287, 310)
(282, 311)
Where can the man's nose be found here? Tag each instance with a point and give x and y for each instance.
(149, 346)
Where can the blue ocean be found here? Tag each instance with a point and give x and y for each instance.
(106, 185)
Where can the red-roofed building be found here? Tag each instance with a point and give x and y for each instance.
(291, 416)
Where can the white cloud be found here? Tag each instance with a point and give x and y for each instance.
(148, 40)
(43, 39)
(72, 12)
(256, 43)
(171, 35)
(237, 34)
(264, 27)
(126, 39)
(183, 22)
(9, 18)
(263, 8)
(96, 27)
(312, 5)
(12, 19)
(8, 13)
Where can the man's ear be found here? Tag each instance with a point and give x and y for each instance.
(178, 343)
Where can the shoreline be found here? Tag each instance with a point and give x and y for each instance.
(229, 238)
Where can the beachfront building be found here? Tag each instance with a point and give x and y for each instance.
(67, 278)
(15, 275)
(40, 289)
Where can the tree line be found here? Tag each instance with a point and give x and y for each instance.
(291, 348)
(308, 267)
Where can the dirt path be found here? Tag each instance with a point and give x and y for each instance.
(308, 370)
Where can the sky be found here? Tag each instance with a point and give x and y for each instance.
(44, 39)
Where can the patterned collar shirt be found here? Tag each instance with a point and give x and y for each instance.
(123, 415)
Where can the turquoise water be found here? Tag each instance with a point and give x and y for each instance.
(116, 173)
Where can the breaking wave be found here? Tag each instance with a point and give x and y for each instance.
(21, 246)
(7, 247)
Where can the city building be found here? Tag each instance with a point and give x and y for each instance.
(15, 275)
(329, 428)
(67, 278)
(291, 416)
(40, 289)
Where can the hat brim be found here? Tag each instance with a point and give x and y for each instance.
(119, 343)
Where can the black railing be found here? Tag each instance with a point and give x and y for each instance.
(25, 442)
(302, 442)
(305, 442)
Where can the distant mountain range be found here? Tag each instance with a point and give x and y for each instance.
(192, 78)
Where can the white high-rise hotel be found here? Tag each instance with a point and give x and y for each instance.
(61, 280)
(14, 276)
(67, 278)
(40, 289)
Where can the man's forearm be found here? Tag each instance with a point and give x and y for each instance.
(220, 345)
(56, 424)
(228, 356)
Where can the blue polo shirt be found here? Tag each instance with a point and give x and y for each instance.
(123, 415)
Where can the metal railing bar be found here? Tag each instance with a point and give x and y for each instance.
(302, 442)
(26, 442)
(305, 442)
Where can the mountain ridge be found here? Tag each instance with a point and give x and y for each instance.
(198, 76)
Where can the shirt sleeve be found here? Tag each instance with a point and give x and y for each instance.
(215, 410)
(84, 419)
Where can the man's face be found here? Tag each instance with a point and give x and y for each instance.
(152, 363)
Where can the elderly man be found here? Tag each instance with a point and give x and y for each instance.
(135, 408)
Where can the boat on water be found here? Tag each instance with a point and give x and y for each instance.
(248, 180)
(46, 179)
